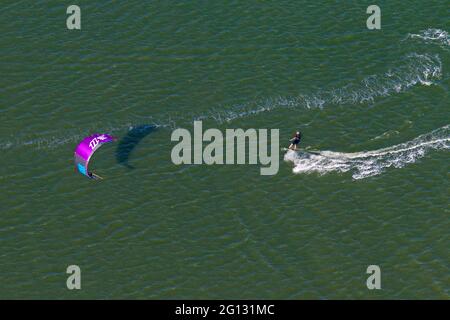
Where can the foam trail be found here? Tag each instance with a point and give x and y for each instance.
(432, 35)
(418, 69)
(370, 163)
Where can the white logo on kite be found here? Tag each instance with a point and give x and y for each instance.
(94, 142)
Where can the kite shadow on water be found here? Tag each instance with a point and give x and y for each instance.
(130, 141)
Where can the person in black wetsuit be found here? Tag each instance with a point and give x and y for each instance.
(295, 140)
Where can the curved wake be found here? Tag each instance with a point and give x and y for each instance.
(418, 69)
(370, 163)
(421, 69)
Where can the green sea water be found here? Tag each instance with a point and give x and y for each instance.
(374, 103)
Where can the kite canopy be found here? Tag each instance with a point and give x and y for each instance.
(86, 149)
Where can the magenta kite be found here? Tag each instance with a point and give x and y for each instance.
(86, 149)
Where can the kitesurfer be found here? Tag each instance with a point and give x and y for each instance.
(295, 140)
